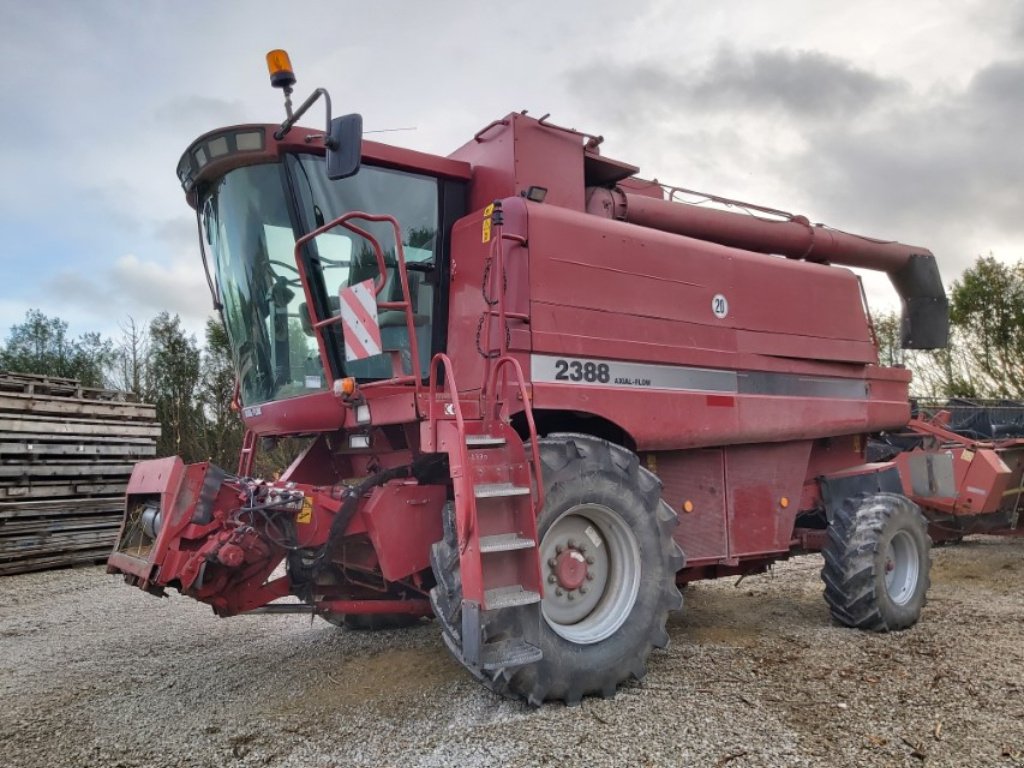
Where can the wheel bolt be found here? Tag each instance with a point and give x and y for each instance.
(552, 562)
(552, 579)
(581, 549)
(572, 596)
(572, 543)
(559, 592)
(559, 549)
(590, 560)
(583, 589)
(590, 576)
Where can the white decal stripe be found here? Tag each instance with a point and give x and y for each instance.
(629, 375)
(359, 321)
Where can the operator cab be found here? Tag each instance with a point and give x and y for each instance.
(256, 195)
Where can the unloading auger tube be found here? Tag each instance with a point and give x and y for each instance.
(911, 269)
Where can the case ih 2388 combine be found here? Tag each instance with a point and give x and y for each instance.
(542, 394)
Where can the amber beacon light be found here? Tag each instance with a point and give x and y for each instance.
(281, 73)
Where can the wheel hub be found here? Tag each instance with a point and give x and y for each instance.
(902, 570)
(592, 573)
(570, 569)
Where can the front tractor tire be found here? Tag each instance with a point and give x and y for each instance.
(603, 509)
(877, 563)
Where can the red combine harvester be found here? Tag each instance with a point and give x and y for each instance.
(532, 382)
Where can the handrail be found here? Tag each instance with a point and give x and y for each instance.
(494, 273)
(460, 425)
(527, 411)
(489, 390)
(478, 137)
(378, 286)
(247, 454)
(449, 380)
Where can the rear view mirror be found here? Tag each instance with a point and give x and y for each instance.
(344, 146)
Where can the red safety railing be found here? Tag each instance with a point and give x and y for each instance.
(492, 412)
(247, 455)
(464, 480)
(345, 220)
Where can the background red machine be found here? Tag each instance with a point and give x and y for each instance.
(581, 380)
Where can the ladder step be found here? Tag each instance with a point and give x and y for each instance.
(508, 597)
(505, 542)
(484, 441)
(508, 653)
(490, 490)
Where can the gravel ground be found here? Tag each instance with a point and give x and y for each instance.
(94, 673)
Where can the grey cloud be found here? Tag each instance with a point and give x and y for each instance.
(200, 110)
(939, 169)
(999, 87)
(804, 84)
(1018, 24)
(179, 233)
(138, 288)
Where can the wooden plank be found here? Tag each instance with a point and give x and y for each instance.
(63, 420)
(65, 489)
(58, 560)
(33, 449)
(34, 544)
(98, 546)
(40, 437)
(64, 461)
(110, 507)
(21, 376)
(20, 471)
(30, 507)
(31, 424)
(18, 403)
(39, 525)
(31, 382)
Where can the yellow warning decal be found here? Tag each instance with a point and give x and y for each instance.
(485, 236)
(967, 455)
(306, 514)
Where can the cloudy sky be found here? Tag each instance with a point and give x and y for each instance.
(897, 120)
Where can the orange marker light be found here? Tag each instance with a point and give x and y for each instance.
(280, 67)
(784, 502)
(348, 386)
(687, 506)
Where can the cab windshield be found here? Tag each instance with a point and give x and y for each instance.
(250, 231)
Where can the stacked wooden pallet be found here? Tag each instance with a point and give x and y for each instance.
(66, 453)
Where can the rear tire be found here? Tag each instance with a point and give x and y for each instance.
(597, 493)
(877, 563)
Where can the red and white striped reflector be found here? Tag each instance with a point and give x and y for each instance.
(359, 321)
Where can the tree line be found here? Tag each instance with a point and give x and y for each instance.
(191, 386)
(985, 355)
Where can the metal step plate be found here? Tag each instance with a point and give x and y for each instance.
(491, 490)
(508, 597)
(508, 653)
(484, 441)
(505, 542)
